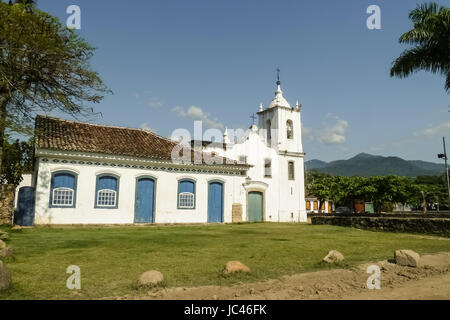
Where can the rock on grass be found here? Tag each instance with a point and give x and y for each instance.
(150, 278)
(7, 252)
(407, 258)
(235, 266)
(333, 257)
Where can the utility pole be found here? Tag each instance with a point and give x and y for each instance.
(444, 156)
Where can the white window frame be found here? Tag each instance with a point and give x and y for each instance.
(186, 194)
(72, 194)
(108, 192)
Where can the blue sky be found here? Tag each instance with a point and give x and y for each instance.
(169, 62)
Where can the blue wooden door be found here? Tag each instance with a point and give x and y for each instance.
(145, 201)
(215, 202)
(25, 207)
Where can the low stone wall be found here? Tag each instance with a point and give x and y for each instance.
(424, 225)
(7, 193)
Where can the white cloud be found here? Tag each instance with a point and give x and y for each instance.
(440, 129)
(148, 99)
(334, 131)
(197, 114)
(307, 134)
(146, 127)
(154, 102)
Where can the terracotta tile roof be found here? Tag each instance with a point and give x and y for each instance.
(64, 135)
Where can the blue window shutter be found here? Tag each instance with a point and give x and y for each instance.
(186, 186)
(107, 182)
(63, 180)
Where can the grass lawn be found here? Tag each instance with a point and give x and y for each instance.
(111, 259)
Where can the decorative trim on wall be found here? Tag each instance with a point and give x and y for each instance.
(154, 167)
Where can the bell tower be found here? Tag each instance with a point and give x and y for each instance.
(281, 123)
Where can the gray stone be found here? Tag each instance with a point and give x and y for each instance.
(407, 258)
(16, 228)
(150, 279)
(4, 236)
(5, 277)
(2, 244)
(333, 257)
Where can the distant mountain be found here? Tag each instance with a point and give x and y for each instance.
(369, 165)
(316, 164)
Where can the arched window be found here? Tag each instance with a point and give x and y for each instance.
(186, 194)
(269, 131)
(290, 129)
(63, 190)
(106, 192)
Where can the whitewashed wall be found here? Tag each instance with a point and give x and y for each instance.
(166, 210)
(284, 199)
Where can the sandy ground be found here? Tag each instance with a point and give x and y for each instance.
(431, 280)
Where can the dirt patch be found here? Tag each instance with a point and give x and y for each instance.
(431, 280)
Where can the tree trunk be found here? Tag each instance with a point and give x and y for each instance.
(3, 113)
(424, 203)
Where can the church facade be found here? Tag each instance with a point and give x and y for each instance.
(96, 174)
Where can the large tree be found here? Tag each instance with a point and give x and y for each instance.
(44, 67)
(17, 160)
(430, 39)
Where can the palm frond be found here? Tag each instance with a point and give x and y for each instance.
(431, 39)
(447, 82)
(416, 36)
(415, 59)
(423, 12)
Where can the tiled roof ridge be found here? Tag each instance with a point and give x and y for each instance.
(159, 149)
(107, 126)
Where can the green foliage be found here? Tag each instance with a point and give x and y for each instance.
(17, 160)
(44, 67)
(430, 38)
(383, 191)
(320, 185)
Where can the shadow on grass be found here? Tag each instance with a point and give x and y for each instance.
(336, 265)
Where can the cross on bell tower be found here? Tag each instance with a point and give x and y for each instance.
(253, 117)
(281, 122)
(278, 76)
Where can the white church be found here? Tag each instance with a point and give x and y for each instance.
(96, 174)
